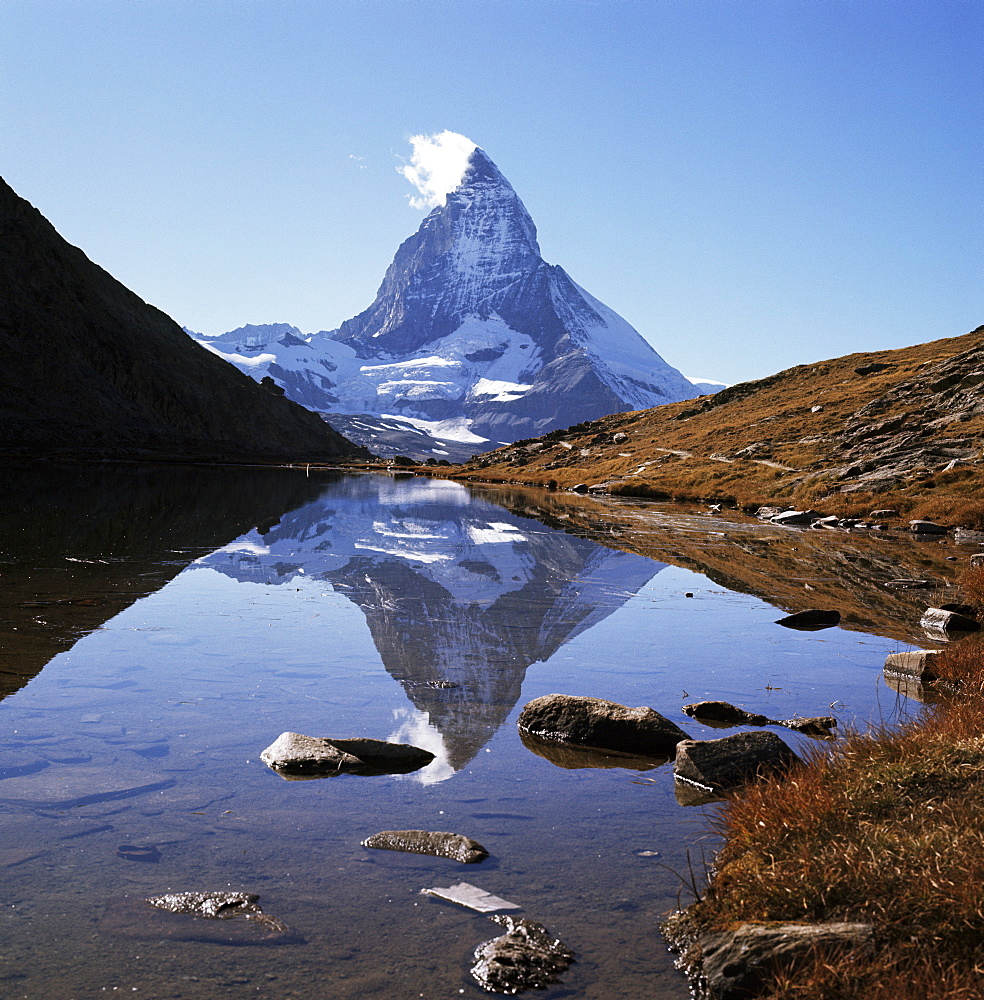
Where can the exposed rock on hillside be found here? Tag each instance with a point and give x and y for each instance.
(90, 370)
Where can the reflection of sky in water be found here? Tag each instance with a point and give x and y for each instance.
(438, 640)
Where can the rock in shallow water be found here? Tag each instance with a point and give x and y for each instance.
(723, 714)
(293, 755)
(525, 957)
(470, 896)
(222, 906)
(441, 845)
(728, 763)
(605, 725)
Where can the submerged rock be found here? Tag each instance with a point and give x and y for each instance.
(722, 713)
(441, 845)
(525, 957)
(293, 755)
(220, 906)
(605, 725)
(812, 619)
(730, 762)
(572, 757)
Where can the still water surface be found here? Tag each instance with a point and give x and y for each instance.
(213, 611)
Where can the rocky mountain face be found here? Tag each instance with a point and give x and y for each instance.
(901, 429)
(472, 338)
(91, 370)
(443, 582)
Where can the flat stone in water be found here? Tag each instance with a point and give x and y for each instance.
(525, 957)
(466, 894)
(441, 845)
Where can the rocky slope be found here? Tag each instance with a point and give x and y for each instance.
(900, 429)
(90, 370)
(472, 336)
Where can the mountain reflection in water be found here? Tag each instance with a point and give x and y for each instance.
(460, 595)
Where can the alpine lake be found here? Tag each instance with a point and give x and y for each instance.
(162, 625)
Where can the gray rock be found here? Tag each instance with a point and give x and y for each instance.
(525, 957)
(815, 618)
(769, 512)
(909, 585)
(728, 763)
(940, 620)
(916, 664)
(597, 488)
(441, 845)
(966, 536)
(927, 528)
(827, 522)
(620, 437)
(887, 512)
(722, 713)
(735, 964)
(795, 517)
(605, 725)
(977, 559)
(295, 756)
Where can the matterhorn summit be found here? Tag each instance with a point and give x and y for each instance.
(472, 340)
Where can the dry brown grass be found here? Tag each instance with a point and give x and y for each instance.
(888, 830)
(776, 416)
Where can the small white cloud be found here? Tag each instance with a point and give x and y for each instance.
(437, 166)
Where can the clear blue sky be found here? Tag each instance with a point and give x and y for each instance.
(753, 184)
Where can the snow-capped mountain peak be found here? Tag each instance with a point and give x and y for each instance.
(470, 329)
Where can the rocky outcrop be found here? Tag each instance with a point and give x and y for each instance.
(91, 370)
(293, 755)
(525, 957)
(605, 725)
(738, 964)
(726, 764)
(440, 845)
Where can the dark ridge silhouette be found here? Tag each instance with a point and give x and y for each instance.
(90, 370)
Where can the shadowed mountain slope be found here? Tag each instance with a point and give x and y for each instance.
(91, 370)
(902, 429)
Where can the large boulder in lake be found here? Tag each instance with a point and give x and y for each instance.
(606, 725)
(725, 764)
(293, 756)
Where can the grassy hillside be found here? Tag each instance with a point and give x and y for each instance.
(901, 429)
